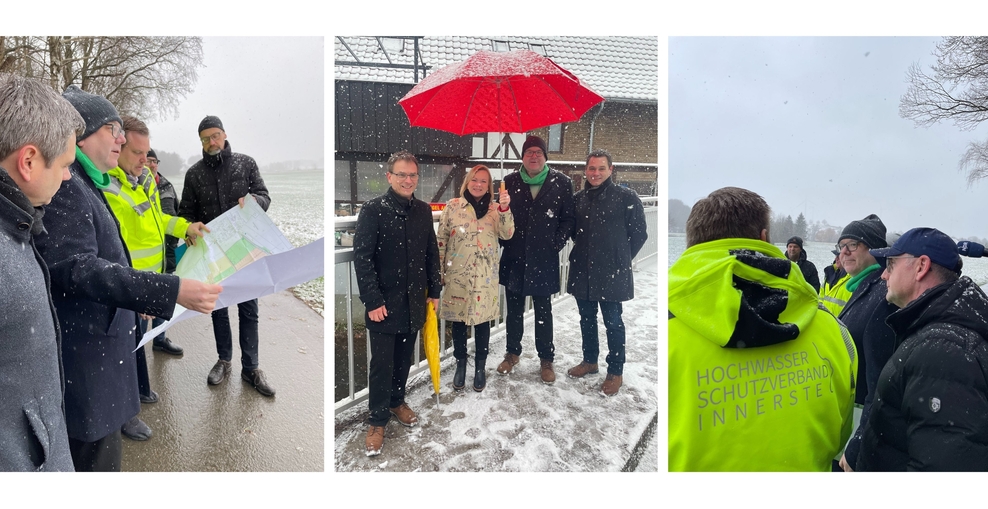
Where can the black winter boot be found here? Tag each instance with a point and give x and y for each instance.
(480, 374)
(460, 377)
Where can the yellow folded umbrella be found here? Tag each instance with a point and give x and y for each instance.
(430, 338)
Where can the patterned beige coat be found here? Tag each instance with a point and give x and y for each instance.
(468, 256)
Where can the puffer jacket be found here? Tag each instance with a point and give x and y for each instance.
(761, 378)
(931, 406)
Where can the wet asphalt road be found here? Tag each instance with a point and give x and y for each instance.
(230, 427)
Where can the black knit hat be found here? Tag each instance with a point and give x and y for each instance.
(209, 122)
(535, 141)
(96, 111)
(870, 230)
(151, 153)
(795, 240)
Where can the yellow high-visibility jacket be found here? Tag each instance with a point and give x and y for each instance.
(761, 377)
(834, 297)
(137, 207)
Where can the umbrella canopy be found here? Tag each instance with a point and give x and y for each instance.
(515, 92)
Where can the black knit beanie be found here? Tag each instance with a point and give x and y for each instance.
(795, 240)
(535, 141)
(870, 230)
(96, 111)
(209, 122)
(151, 153)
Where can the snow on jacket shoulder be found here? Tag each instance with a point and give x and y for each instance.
(931, 405)
(761, 378)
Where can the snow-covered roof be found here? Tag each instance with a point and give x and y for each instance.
(618, 68)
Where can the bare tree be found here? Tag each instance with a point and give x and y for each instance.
(142, 76)
(956, 89)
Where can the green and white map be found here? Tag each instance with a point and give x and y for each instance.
(236, 238)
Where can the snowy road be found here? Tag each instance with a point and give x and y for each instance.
(519, 424)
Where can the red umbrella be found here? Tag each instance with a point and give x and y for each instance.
(515, 92)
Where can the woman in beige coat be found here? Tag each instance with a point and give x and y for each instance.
(468, 254)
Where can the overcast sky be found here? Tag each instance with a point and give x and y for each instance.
(812, 125)
(269, 93)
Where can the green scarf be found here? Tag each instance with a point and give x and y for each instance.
(852, 284)
(102, 180)
(537, 180)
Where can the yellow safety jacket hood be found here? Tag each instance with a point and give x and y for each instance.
(740, 293)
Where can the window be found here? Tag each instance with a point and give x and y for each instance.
(555, 142)
(500, 46)
(538, 48)
(393, 45)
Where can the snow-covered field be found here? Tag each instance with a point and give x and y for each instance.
(297, 199)
(519, 424)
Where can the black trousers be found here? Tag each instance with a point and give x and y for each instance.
(515, 324)
(615, 333)
(391, 358)
(481, 336)
(248, 334)
(102, 455)
(143, 380)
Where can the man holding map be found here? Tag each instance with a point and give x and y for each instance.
(218, 182)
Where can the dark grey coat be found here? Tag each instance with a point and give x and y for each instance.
(610, 230)
(96, 294)
(169, 205)
(216, 183)
(530, 260)
(396, 260)
(32, 422)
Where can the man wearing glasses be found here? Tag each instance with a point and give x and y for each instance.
(96, 292)
(542, 205)
(931, 405)
(396, 261)
(864, 315)
(215, 184)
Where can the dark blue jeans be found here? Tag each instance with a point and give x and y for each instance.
(611, 312)
(481, 336)
(248, 334)
(515, 324)
(391, 358)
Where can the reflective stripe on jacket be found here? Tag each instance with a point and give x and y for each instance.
(834, 297)
(143, 225)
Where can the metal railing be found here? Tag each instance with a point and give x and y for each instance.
(347, 306)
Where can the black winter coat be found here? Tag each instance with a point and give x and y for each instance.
(610, 230)
(931, 412)
(216, 183)
(864, 315)
(396, 260)
(33, 436)
(96, 294)
(169, 205)
(530, 260)
(809, 271)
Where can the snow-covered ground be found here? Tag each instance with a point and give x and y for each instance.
(519, 424)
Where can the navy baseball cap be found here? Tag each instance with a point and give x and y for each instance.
(935, 244)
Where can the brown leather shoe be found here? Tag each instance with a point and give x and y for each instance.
(611, 385)
(375, 440)
(509, 362)
(548, 375)
(405, 415)
(582, 369)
